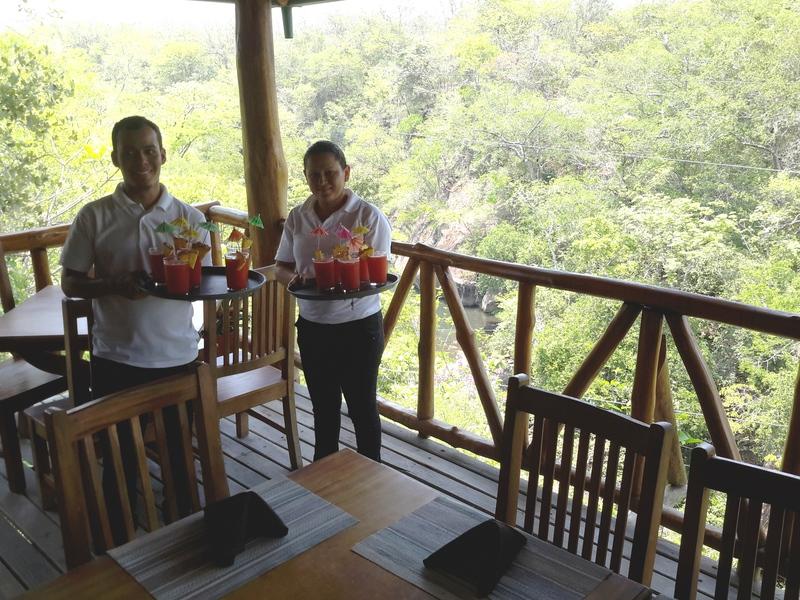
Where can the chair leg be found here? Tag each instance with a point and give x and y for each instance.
(242, 425)
(11, 453)
(290, 426)
(41, 464)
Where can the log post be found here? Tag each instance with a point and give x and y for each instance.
(265, 172)
(602, 351)
(427, 341)
(526, 320)
(791, 451)
(41, 268)
(643, 395)
(465, 335)
(665, 411)
(707, 394)
(399, 298)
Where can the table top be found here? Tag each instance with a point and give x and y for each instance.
(376, 495)
(35, 324)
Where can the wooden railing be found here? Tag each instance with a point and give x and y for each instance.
(651, 306)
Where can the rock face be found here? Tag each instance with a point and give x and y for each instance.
(468, 292)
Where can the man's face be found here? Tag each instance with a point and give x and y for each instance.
(326, 177)
(139, 156)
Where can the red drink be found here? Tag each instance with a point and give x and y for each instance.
(337, 276)
(236, 271)
(156, 258)
(196, 274)
(324, 273)
(378, 267)
(176, 274)
(351, 273)
(364, 268)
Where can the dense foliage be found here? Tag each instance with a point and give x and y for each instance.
(658, 144)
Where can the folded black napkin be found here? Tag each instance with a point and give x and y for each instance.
(479, 556)
(234, 521)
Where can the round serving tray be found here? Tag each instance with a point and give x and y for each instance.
(309, 291)
(213, 285)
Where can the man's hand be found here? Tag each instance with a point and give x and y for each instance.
(129, 285)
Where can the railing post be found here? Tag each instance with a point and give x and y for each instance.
(665, 411)
(791, 451)
(526, 320)
(41, 268)
(427, 341)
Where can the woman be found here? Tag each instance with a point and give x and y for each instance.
(340, 341)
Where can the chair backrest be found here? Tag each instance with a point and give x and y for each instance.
(597, 449)
(250, 331)
(748, 489)
(78, 370)
(72, 436)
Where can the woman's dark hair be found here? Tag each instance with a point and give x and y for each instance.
(324, 147)
(133, 124)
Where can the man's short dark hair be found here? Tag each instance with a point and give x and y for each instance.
(133, 124)
(324, 147)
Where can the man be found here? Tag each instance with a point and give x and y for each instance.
(136, 337)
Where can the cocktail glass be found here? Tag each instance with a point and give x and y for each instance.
(324, 273)
(196, 274)
(156, 258)
(351, 273)
(378, 267)
(364, 268)
(176, 275)
(236, 270)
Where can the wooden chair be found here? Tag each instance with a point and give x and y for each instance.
(249, 344)
(71, 434)
(78, 387)
(748, 488)
(21, 385)
(609, 435)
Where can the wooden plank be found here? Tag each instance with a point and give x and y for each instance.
(22, 558)
(10, 586)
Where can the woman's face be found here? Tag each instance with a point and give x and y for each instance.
(326, 178)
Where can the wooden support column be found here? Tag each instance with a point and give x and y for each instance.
(791, 452)
(265, 172)
(526, 320)
(643, 397)
(427, 341)
(41, 268)
(665, 411)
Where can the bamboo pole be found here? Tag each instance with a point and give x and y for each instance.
(265, 172)
(665, 411)
(526, 320)
(426, 348)
(399, 298)
(707, 395)
(602, 350)
(466, 339)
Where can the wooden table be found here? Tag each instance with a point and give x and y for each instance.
(376, 495)
(35, 324)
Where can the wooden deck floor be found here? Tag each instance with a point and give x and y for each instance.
(30, 539)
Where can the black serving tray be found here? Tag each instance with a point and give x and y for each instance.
(213, 285)
(309, 291)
